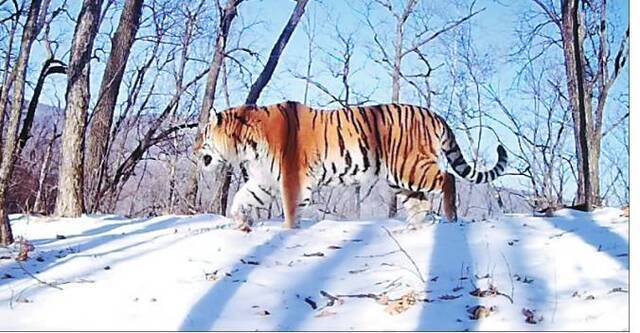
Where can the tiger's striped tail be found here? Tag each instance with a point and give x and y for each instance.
(463, 169)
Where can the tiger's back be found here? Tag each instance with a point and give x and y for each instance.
(350, 145)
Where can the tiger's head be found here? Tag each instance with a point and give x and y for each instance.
(222, 139)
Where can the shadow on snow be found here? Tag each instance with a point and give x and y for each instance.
(450, 252)
(316, 279)
(210, 306)
(599, 237)
(53, 257)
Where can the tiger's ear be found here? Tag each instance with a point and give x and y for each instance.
(215, 117)
(242, 115)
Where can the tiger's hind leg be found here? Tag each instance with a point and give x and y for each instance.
(417, 204)
(449, 196)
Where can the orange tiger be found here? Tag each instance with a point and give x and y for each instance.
(289, 148)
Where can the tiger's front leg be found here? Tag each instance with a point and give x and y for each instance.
(296, 195)
(252, 194)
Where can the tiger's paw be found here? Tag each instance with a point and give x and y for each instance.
(243, 223)
(244, 228)
(290, 225)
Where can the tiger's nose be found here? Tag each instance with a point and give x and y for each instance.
(207, 160)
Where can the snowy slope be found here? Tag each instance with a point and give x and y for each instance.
(195, 273)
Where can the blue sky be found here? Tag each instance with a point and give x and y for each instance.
(493, 33)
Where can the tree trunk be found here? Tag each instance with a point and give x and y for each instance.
(38, 206)
(228, 14)
(395, 98)
(276, 51)
(70, 200)
(572, 40)
(47, 69)
(7, 77)
(98, 138)
(222, 192)
(8, 152)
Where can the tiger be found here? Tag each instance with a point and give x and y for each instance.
(289, 148)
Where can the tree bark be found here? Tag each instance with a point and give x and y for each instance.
(572, 38)
(8, 74)
(51, 66)
(226, 18)
(38, 205)
(276, 51)
(70, 200)
(8, 152)
(100, 126)
(395, 82)
(586, 82)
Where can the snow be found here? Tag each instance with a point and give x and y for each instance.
(197, 273)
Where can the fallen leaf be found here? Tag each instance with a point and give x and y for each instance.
(211, 276)
(492, 291)
(249, 262)
(618, 290)
(530, 316)
(625, 212)
(264, 313)
(25, 248)
(447, 297)
(325, 313)
(398, 306)
(479, 312)
(384, 300)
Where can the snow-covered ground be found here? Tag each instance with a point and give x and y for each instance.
(570, 272)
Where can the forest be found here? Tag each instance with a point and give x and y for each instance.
(102, 100)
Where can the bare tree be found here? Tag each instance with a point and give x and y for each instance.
(102, 117)
(226, 14)
(39, 204)
(50, 66)
(8, 74)
(70, 200)
(591, 67)
(155, 133)
(341, 66)
(8, 152)
(257, 87)
(402, 47)
(276, 51)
